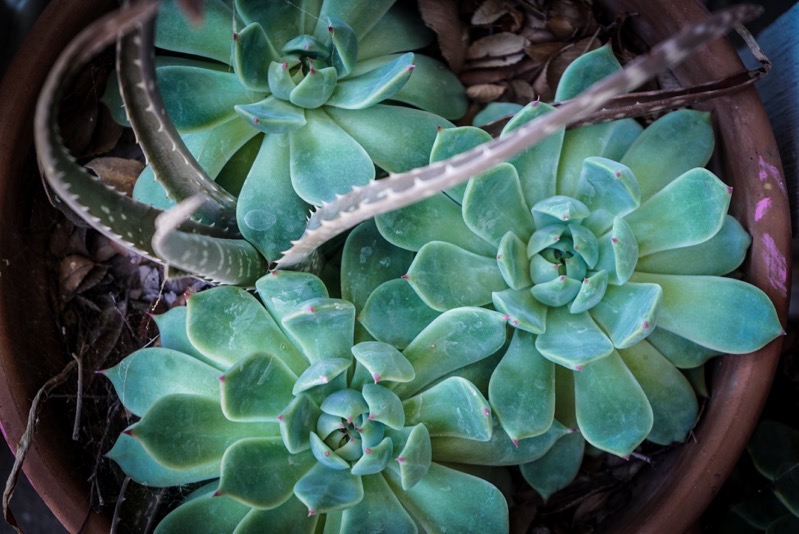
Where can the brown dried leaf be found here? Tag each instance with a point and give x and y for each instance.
(591, 506)
(489, 12)
(500, 61)
(522, 91)
(485, 92)
(119, 173)
(496, 45)
(561, 28)
(442, 17)
(543, 52)
(535, 30)
(71, 272)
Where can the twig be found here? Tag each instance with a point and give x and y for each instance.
(79, 400)
(121, 499)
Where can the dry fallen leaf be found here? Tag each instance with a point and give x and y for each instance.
(443, 18)
(119, 173)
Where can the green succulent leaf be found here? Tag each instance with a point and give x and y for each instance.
(325, 490)
(557, 292)
(773, 446)
(493, 205)
(433, 87)
(297, 422)
(513, 263)
(609, 189)
(613, 412)
(379, 511)
(544, 238)
(679, 351)
(319, 373)
(205, 513)
(258, 387)
(670, 146)
(252, 54)
(494, 111)
(558, 209)
(786, 487)
(250, 462)
(272, 115)
(315, 89)
(476, 278)
(291, 516)
(211, 39)
(618, 252)
(172, 333)
(374, 459)
(281, 21)
(345, 403)
(383, 362)
(204, 431)
(522, 389)
(560, 344)
(628, 313)
(454, 340)
(325, 455)
(453, 407)
(323, 327)
(586, 70)
(451, 142)
(282, 291)
(674, 405)
(688, 211)
(415, 454)
(384, 406)
(369, 88)
(591, 292)
(395, 314)
(706, 310)
(148, 375)
(521, 309)
(558, 467)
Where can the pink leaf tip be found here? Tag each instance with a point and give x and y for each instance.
(400, 459)
(515, 443)
(376, 377)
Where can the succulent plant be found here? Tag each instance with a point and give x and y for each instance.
(604, 248)
(296, 421)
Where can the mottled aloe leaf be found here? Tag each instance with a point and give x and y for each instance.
(522, 310)
(679, 351)
(131, 456)
(397, 138)
(613, 412)
(557, 210)
(786, 487)
(688, 211)
(369, 88)
(560, 343)
(204, 513)
(323, 327)
(493, 205)
(513, 262)
(455, 339)
(424, 502)
(282, 291)
(249, 462)
(258, 387)
(674, 405)
(320, 372)
(379, 510)
(211, 39)
(437, 218)
(609, 189)
(383, 362)
(395, 314)
(374, 459)
(499, 450)
(618, 252)
(272, 115)
(367, 261)
(591, 292)
(453, 408)
(324, 149)
(470, 282)
(522, 389)
(205, 431)
(241, 327)
(706, 310)
(628, 313)
(773, 445)
(557, 468)
(252, 54)
(324, 490)
(719, 255)
(291, 516)
(586, 70)
(297, 422)
(675, 143)
(384, 406)
(537, 166)
(147, 375)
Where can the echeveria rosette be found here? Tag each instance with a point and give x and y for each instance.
(289, 419)
(287, 104)
(605, 248)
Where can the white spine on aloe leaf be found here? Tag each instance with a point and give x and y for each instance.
(403, 189)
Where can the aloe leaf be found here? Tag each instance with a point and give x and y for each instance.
(670, 146)
(618, 252)
(437, 218)
(131, 456)
(325, 490)
(452, 408)
(537, 166)
(455, 339)
(560, 344)
(383, 362)
(148, 375)
(522, 389)
(493, 205)
(367, 261)
(271, 226)
(688, 211)
(609, 189)
(374, 86)
(323, 327)
(325, 160)
(522, 311)
(772, 446)
(282, 291)
(475, 278)
(257, 387)
(706, 310)
(205, 432)
(399, 29)
(291, 516)
(396, 138)
(211, 39)
(241, 327)
(612, 410)
(557, 468)
(719, 255)
(297, 422)
(679, 351)
(628, 313)
(379, 511)
(674, 405)
(205, 513)
(252, 54)
(458, 513)
(272, 115)
(395, 314)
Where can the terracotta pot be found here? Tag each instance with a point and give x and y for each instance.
(668, 498)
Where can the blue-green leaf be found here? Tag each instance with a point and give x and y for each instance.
(205, 513)
(493, 205)
(561, 344)
(369, 88)
(395, 314)
(258, 387)
(452, 408)
(272, 115)
(325, 490)
(628, 313)
(323, 327)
